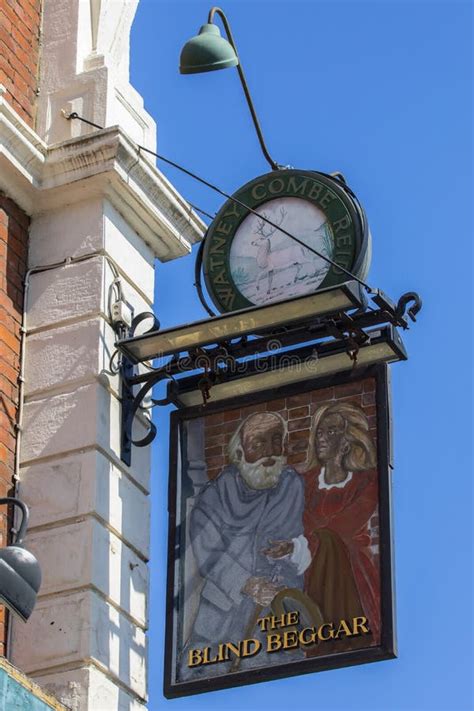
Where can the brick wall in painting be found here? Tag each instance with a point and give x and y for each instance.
(298, 411)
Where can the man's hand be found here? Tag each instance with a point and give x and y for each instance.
(261, 590)
(278, 549)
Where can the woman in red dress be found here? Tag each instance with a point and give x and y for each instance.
(341, 497)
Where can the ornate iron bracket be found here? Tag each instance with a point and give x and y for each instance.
(132, 402)
(215, 360)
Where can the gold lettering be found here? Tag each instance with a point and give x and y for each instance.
(257, 193)
(278, 621)
(293, 618)
(360, 623)
(274, 642)
(234, 648)
(246, 647)
(206, 657)
(304, 641)
(194, 657)
(329, 625)
(342, 224)
(290, 639)
(222, 653)
(273, 621)
(343, 629)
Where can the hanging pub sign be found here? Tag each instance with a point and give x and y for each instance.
(279, 533)
(248, 261)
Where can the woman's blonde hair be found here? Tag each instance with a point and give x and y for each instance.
(361, 454)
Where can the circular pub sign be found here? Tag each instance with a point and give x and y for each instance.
(247, 261)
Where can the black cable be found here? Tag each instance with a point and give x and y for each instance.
(197, 279)
(198, 209)
(75, 115)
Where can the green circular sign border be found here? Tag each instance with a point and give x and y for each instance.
(229, 218)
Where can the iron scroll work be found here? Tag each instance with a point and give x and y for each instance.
(222, 360)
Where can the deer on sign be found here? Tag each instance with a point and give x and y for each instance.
(270, 259)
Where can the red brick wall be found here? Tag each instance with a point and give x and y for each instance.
(298, 410)
(20, 22)
(13, 255)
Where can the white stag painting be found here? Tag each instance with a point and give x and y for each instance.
(267, 265)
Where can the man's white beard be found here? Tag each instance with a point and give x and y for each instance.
(257, 476)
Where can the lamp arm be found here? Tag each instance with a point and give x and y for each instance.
(217, 11)
(24, 521)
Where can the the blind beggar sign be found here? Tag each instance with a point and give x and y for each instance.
(280, 559)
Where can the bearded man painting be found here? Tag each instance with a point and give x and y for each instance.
(236, 517)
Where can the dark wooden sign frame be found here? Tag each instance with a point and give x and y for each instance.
(387, 647)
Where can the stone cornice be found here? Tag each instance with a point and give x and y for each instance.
(104, 163)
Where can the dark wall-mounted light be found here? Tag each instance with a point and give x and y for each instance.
(20, 573)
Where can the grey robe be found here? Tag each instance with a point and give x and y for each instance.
(229, 526)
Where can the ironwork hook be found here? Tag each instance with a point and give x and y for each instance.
(403, 302)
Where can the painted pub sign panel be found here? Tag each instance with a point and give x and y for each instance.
(280, 556)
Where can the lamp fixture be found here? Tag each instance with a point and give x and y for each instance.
(20, 573)
(209, 51)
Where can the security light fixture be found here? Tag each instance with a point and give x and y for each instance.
(20, 573)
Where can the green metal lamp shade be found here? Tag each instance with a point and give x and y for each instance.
(206, 52)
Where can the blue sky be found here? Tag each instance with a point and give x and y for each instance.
(381, 91)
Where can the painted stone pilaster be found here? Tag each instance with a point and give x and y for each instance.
(85, 68)
(99, 211)
(90, 513)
